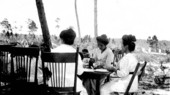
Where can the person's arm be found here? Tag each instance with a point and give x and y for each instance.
(109, 59)
(94, 54)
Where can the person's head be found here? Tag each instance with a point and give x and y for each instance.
(85, 53)
(68, 36)
(102, 41)
(128, 43)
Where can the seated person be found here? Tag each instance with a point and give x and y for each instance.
(67, 37)
(86, 58)
(102, 58)
(103, 55)
(85, 53)
(126, 65)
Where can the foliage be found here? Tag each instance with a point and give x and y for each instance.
(153, 42)
(57, 21)
(5, 23)
(32, 26)
(86, 38)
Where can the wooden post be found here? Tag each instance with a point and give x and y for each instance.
(77, 18)
(95, 19)
(43, 22)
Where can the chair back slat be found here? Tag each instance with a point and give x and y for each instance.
(22, 51)
(58, 64)
(142, 70)
(4, 57)
(4, 64)
(132, 78)
(23, 58)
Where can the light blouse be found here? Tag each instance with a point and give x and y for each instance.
(104, 58)
(126, 65)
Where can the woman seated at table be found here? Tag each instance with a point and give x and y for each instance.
(126, 65)
(103, 55)
(101, 58)
(67, 37)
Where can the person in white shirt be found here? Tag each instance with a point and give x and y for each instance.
(125, 66)
(103, 55)
(67, 37)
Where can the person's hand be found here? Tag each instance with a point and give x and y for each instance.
(86, 60)
(114, 69)
(95, 65)
(85, 65)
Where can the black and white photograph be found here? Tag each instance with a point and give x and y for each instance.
(84, 47)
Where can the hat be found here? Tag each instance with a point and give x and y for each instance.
(103, 39)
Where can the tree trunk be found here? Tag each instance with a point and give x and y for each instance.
(95, 19)
(44, 26)
(78, 25)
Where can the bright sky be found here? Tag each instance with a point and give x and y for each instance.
(141, 18)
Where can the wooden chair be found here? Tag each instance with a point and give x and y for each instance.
(23, 58)
(5, 79)
(57, 64)
(139, 70)
(131, 80)
(24, 69)
(4, 57)
(136, 72)
(142, 70)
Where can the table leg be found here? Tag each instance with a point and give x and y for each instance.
(87, 85)
(97, 86)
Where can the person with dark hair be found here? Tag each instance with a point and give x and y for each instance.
(125, 68)
(67, 38)
(101, 58)
(103, 55)
(85, 53)
(86, 58)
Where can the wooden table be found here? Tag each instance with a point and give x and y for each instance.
(90, 75)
